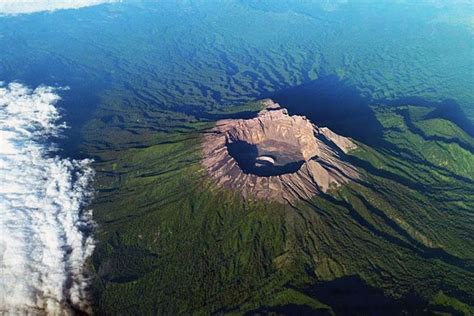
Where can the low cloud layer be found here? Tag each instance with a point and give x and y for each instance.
(44, 228)
(31, 6)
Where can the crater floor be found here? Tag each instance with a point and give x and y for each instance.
(276, 156)
(267, 158)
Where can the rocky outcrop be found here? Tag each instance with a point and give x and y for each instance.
(276, 156)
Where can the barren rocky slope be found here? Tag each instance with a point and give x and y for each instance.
(276, 156)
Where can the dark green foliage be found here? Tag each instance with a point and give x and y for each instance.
(172, 242)
(147, 78)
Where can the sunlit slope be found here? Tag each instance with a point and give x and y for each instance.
(399, 239)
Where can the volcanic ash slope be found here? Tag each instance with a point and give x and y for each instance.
(275, 156)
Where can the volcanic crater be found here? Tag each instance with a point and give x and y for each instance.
(275, 156)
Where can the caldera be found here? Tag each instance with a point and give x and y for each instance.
(275, 156)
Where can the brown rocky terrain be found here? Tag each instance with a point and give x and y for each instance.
(276, 156)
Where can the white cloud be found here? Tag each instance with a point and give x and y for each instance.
(31, 6)
(43, 243)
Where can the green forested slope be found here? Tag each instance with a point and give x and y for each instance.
(146, 78)
(399, 239)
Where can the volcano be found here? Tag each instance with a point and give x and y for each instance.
(275, 156)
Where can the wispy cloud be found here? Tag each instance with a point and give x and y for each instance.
(44, 239)
(31, 6)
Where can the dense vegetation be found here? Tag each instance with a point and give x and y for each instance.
(143, 87)
(400, 239)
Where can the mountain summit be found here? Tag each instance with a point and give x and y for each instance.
(276, 156)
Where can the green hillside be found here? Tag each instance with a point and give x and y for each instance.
(146, 78)
(171, 242)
